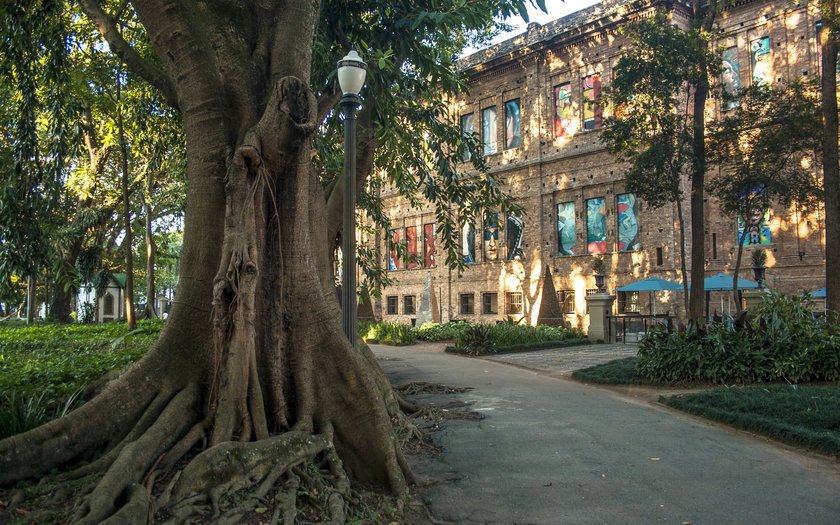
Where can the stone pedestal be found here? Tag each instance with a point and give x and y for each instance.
(426, 314)
(753, 298)
(600, 305)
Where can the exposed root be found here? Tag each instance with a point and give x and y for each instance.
(422, 387)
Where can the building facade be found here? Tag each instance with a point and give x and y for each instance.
(533, 103)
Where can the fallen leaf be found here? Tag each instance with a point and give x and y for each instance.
(260, 510)
(603, 475)
(654, 459)
(548, 484)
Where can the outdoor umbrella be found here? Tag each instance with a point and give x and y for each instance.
(651, 284)
(819, 292)
(723, 282)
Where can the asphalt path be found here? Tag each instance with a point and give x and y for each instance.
(555, 451)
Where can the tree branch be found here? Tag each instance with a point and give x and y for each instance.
(107, 25)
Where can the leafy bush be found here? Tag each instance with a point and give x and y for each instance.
(386, 333)
(510, 337)
(44, 366)
(781, 340)
(475, 340)
(440, 332)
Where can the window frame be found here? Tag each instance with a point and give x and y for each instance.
(486, 306)
(466, 303)
(392, 304)
(513, 299)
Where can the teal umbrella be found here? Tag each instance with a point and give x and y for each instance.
(651, 284)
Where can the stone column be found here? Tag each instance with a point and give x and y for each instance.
(600, 305)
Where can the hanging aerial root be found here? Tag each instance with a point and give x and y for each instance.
(233, 465)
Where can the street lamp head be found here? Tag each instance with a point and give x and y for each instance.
(351, 73)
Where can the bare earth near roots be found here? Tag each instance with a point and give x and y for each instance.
(302, 493)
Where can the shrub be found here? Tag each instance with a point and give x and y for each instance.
(386, 333)
(512, 336)
(475, 340)
(440, 332)
(782, 340)
(43, 367)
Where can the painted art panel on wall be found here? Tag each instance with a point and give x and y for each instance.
(411, 247)
(491, 237)
(731, 76)
(596, 225)
(429, 247)
(759, 229)
(760, 61)
(515, 233)
(563, 112)
(566, 228)
(468, 242)
(628, 223)
(393, 258)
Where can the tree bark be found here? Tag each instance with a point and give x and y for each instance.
(831, 170)
(151, 251)
(128, 240)
(253, 345)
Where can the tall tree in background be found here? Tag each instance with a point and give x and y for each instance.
(760, 145)
(659, 91)
(831, 168)
(253, 359)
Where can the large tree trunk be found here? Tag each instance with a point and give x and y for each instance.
(253, 347)
(831, 169)
(151, 251)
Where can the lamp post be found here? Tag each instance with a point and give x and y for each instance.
(351, 78)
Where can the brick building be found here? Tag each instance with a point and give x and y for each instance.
(532, 103)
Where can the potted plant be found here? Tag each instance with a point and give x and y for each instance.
(759, 265)
(599, 268)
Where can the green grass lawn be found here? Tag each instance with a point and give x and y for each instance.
(801, 415)
(807, 416)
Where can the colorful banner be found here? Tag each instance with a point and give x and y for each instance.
(591, 108)
(488, 130)
(513, 129)
(731, 77)
(515, 233)
(491, 237)
(628, 223)
(468, 242)
(566, 228)
(429, 248)
(596, 225)
(563, 113)
(411, 247)
(759, 229)
(760, 61)
(393, 258)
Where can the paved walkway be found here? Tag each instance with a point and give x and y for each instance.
(554, 451)
(567, 360)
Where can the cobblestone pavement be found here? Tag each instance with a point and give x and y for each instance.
(567, 360)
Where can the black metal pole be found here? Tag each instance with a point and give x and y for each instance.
(349, 103)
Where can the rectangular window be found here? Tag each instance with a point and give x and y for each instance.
(591, 108)
(467, 304)
(391, 304)
(628, 223)
(411, 247)
(567, 301)
(393, 256)
(489, 303)
(659, 257)
(468, 128)
(566, 228)
(513, 130)
(759, 229)
(468, 242)
(513, 303)
(488, 130)
(491, 237)
(730, 78)
(714, 246)
(515, 229)
(429, 248)
(563, 112)
(628, 302)
(760, 61)
(596, 225)
(408, 305)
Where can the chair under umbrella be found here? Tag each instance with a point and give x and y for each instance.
(650, 285)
